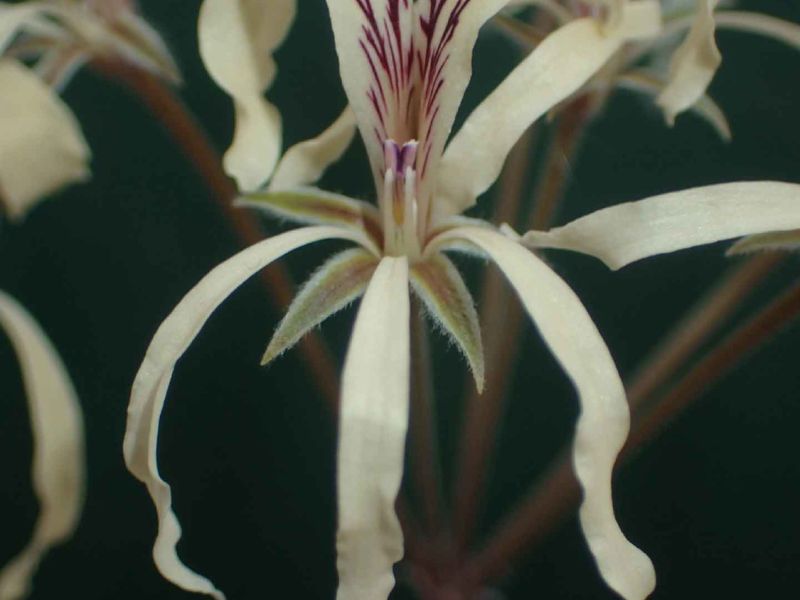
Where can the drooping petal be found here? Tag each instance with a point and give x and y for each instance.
(152, 381)
(786, 241)
(372, 436)
(237, 39)
(622, 234)
(59, 479)
(42, 148)
(304, 163)
(693, 65)
(440, 286)
(340, 281)
(706, 108)
(318, 207)
(604, 421)
(558, 67)
(766, 25)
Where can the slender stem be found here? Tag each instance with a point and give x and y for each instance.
(503, 318)
(742, 343)
(559, 493)
(699, 324)
(425, 451)
(175, 117)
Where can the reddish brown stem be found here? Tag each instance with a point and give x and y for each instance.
(424, 449)
(558, 496)
(699, 324)
(178, 121)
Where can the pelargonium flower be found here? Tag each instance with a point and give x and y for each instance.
(58, 465)
(43, 149)
(676, 74)
(404, 66)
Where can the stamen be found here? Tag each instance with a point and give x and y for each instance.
(399, 201)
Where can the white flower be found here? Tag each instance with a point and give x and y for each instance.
(404, 66)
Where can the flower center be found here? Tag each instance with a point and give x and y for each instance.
(398, 202)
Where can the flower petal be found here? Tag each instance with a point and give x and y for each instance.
(604, 421)
(59, 479)
(647, 83)
(405, 66)
(42, 148)
(622, 234)
(374, 46)
(558, 67)
(771, 27)
(693, 65)
(237, 39)
(440, 286)
(152, 381)
(318, 207)
(788, 241)
(304, 163)
(340, 281)
(372, 437)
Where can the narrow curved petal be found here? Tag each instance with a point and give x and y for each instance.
(317, 207)
(557, 68)
(59, 478)
(152, 381)
(42, 148)
(440, 286)
(622, 234)
(237, 39)
(372, 437)
(604, 421)
(693, 65)
(785, 241)
(771, 27)
(706, 108)
(336, 284)
(304, 163)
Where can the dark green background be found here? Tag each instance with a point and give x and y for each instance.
(250, 450)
